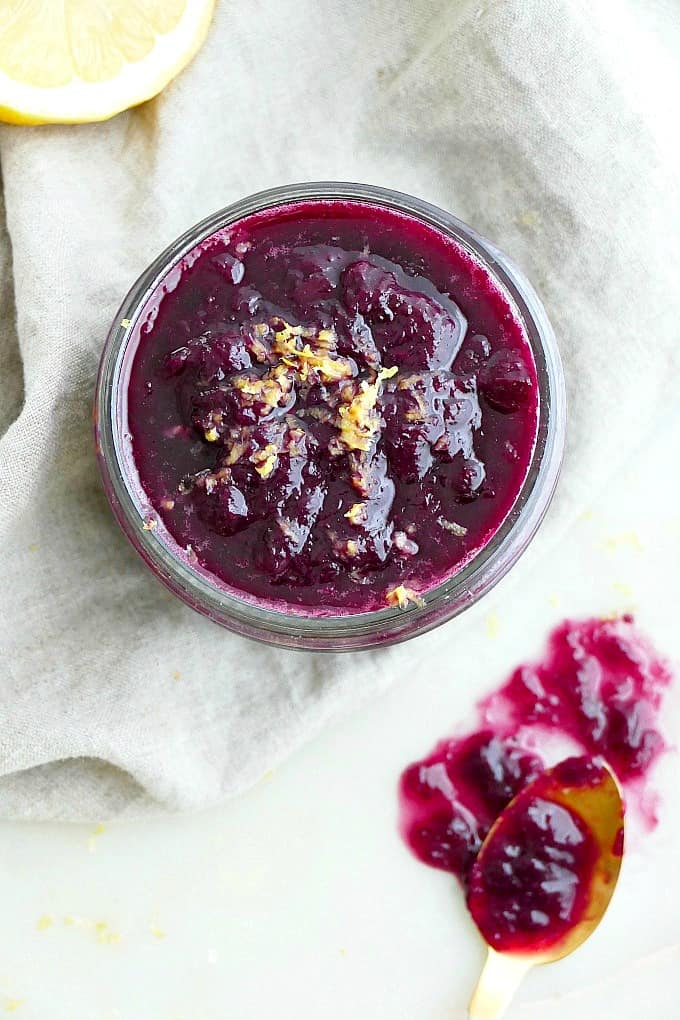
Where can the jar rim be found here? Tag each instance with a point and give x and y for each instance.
(354, 630)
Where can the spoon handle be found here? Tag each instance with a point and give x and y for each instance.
(500, 978)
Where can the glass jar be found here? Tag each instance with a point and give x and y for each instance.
(293, 627)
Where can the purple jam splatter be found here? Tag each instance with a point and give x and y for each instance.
(599, 684)
(331, 403)
(451, 798)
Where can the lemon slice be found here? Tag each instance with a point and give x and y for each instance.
(68, 61)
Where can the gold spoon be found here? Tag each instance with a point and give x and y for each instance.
(600, 807)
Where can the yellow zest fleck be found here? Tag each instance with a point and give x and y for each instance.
(403, 597)
(12, 1004)
(357, 513)
(44, 922)
(294, 441)
(455, 529)
(258, 350)
(529, 218)
(492, 625)
(623, 589)
(631, 539)
(358, 421)
(149, 524)
(33, 547)
(102, 932)
(421, 411)
(415, 414)
(270, 389)
(105, 936)
(157, 932)
(176, 675)
(269, 774)
(286, 331)
(168, 504)
(326, 338)
(260, 329)
(125, 323)
(212, 435)
(360, 473)
(555, 601)
(352, 547)
(303, 360)
(343, 951)
(92, 840)
(236, 451)
(265, 460)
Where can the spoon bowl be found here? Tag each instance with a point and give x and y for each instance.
(545, 875)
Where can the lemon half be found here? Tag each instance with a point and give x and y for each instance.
(69, 61)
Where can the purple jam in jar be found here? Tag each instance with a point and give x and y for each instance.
(332, 404)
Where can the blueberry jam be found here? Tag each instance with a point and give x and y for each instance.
(451, 798)
(332, 405)
(531, 883)
(599, 685)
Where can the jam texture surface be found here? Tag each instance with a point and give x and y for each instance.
(331, 405)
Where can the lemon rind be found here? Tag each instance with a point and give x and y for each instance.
(81, 102)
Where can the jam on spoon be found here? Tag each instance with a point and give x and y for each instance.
(545, 875)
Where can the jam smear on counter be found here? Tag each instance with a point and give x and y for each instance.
(599, 684)
(331, 405)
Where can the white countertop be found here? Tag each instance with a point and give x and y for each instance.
(299, 901)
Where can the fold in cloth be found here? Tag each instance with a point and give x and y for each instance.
(546, 124)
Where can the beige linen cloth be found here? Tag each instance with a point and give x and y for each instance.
(549, 125)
